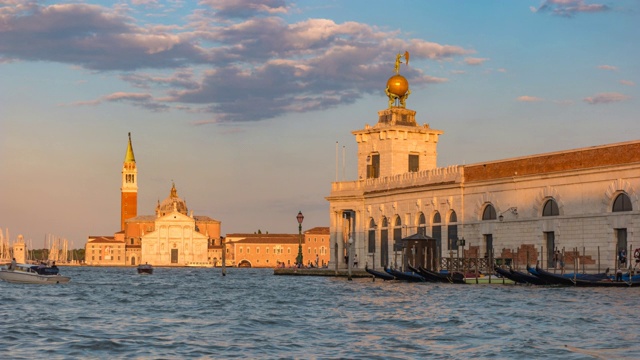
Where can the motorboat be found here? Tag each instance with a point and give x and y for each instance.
(145, 269)
(32, 274)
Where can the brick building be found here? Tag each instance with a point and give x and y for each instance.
(278, 250)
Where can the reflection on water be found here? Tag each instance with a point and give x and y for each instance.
(190, 312)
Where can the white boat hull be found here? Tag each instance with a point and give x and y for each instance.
(20, 277)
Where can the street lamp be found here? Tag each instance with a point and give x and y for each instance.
(300, 217)
(513, 209)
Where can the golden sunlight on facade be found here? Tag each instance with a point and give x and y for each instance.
(173, 236)
(581, 203)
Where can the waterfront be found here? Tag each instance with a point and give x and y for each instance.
(250, 313)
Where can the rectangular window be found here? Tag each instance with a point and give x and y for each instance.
(488, 242)
(552, 258)
(452, 231)
(414, 164)
(373, 169)
(621, 235)
(372, 241)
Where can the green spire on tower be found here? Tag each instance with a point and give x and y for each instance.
(129, 157)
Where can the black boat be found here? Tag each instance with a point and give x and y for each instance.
(407, 276)
(519, 277)
(451, 278)
(145, 269)
(561, 280)
(379, 274)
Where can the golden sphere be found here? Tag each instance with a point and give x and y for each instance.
(398, 85)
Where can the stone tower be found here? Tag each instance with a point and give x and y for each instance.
(396, 144)
(129, 189)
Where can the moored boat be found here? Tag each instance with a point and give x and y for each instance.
(379, 274)
(561, 280)
(519, 277)
(452, 278)
(408, 276)
(145, 269)
(32, 274)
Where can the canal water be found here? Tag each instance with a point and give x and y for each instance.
(250, 313)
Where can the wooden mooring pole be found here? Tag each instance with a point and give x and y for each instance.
(224, 252)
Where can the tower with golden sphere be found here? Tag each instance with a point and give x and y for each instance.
(129, 189)
(396, 144)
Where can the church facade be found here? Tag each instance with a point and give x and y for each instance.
(580, 206)
(170, 237)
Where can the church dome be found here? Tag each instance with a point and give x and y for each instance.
(171, 204)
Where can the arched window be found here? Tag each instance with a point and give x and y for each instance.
(489, 213)
(422, 226)
(550, 208)
(452, 231)
(622, 203)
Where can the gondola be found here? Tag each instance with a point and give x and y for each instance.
(379, 274)
(561, 280)
(407, 276)
(452, 278)
(519, 277)
(417, 271)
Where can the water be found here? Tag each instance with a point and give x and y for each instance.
(250, 313)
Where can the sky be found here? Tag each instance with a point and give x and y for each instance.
(248, 105)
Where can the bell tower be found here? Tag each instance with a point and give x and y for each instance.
(129, 189)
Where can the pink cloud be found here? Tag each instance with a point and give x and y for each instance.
(526, 98)
(606, 98)
(475, 61)
(607, 67)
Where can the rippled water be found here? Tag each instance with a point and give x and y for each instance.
(250, 313)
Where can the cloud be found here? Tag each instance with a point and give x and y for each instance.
(246, 8)
(608, 67)
(90, 36)
(143, 100)
(606, 98)
(475, 61)
(236, 60)
(569, 8)
(627, 82)
(526, 98)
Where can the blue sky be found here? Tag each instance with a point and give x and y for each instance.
(241, 102)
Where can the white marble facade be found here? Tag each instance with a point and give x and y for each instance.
(579, 188)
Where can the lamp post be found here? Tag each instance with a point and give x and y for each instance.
(513, 209)
(300, 217)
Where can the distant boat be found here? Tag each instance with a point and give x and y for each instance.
(200, 264)
(145, 269)
(32, 274)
